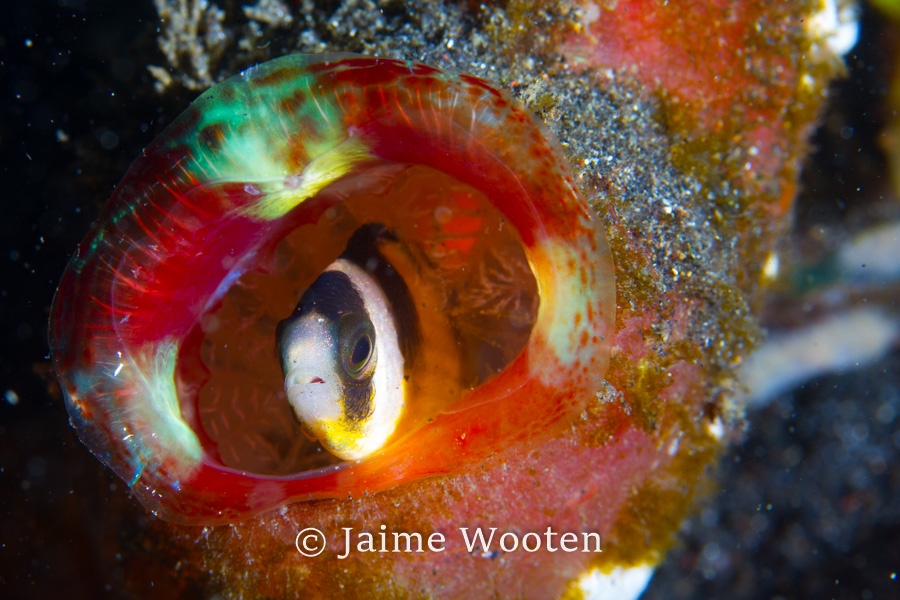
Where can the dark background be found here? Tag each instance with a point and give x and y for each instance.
(807, 506)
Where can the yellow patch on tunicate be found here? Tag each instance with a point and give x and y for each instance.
(282, 195)
(566, 291)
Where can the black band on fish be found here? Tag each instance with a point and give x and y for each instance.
(364, 250)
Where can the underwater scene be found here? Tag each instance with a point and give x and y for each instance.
(450, 299)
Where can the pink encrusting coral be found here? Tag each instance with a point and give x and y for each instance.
(684, 127)
(729, 74)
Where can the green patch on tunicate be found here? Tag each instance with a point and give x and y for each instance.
(245, 132)
(153, 369)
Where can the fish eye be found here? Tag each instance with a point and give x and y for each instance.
(357, 341)
(361, 352)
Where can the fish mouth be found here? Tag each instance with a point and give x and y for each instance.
(313, 396)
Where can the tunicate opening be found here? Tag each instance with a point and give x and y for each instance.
(468, 275)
